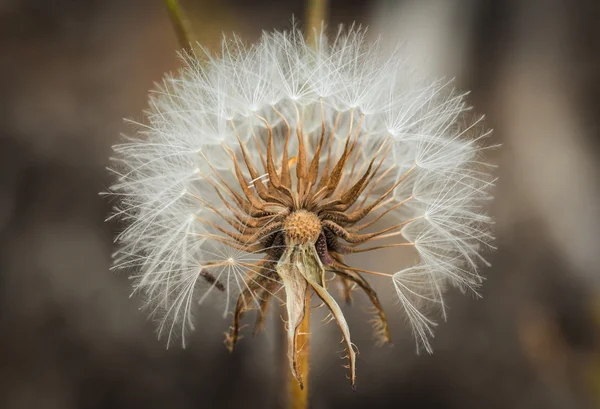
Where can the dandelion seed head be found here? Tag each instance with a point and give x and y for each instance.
(261, 164)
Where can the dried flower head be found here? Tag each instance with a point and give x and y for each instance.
(260, 169)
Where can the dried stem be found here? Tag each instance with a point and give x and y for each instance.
(315, 14)
(299, 396)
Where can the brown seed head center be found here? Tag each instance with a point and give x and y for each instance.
(302, 227)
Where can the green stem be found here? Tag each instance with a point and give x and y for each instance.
(180, 23)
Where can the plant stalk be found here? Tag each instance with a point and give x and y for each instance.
(316, 13)
(299, 396)
(180, 23)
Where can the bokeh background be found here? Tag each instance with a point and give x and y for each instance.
(70, 335)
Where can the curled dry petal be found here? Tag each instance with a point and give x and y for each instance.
(300, 266)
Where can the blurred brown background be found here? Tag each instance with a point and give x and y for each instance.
(72, 338)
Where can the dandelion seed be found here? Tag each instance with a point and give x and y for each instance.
(261, 168)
